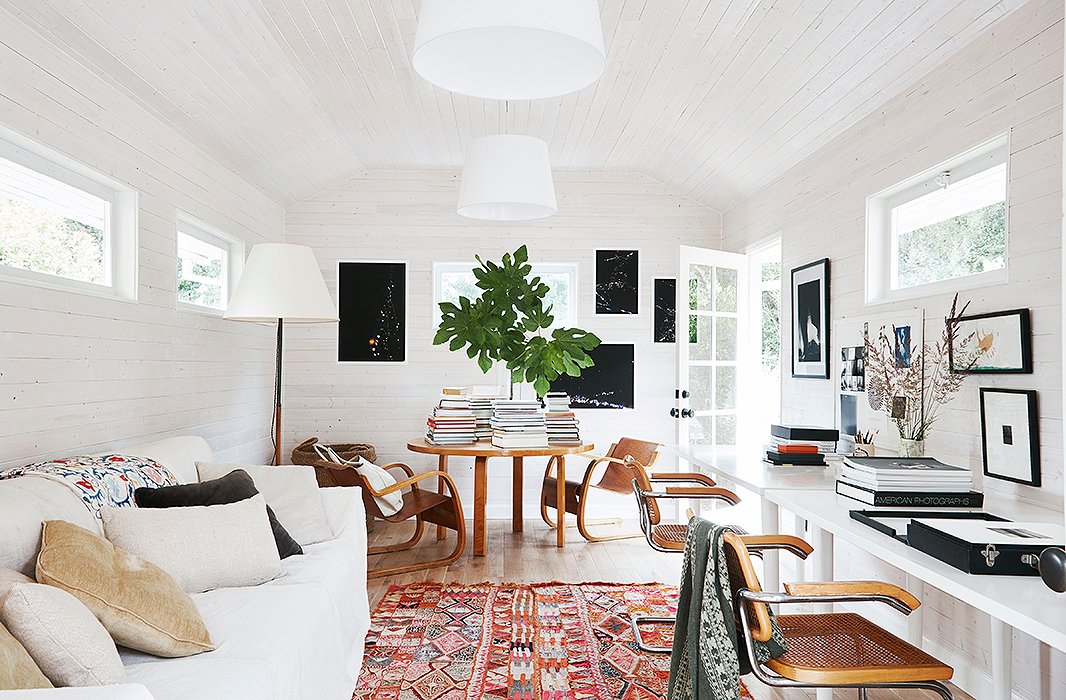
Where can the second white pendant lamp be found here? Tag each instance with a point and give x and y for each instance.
(507, 178)
(510, 49)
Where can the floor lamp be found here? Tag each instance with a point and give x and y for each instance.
(281, 283)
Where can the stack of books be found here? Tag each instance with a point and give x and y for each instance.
(921, 482)
(452, 420)
(560, 420)
(795, 445)
(482, 407)
(518, 423)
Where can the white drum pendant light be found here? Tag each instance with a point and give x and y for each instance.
(507, 178)
(510, 49)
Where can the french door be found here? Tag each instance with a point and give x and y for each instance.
(712, 335)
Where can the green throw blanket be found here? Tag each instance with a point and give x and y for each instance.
(708, 653)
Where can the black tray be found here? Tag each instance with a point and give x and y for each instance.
(876, 519)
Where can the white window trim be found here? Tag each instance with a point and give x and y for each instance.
(880, 260)
(207, 233)
(441, 268)
(120, 243)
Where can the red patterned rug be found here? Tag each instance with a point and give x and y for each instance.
(542, 641)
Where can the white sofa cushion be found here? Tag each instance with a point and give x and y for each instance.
(202, 547)
(292, 493)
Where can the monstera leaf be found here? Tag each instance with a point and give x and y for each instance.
(508, 323)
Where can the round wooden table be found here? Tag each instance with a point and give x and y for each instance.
(482, 452)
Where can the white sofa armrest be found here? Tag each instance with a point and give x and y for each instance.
(344, 508)
(126, 691)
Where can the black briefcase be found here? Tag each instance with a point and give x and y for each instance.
(981, 547)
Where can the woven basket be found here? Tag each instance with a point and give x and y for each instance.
(305, 454)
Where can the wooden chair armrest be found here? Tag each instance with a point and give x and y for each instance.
(853, 588)
(399, 485)
(757, 544)
(683, 476)
(401, 466)
(701, 492)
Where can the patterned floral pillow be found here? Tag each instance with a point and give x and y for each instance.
(100, 481)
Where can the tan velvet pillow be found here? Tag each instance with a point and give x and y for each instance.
(17, 670)
(139, 604)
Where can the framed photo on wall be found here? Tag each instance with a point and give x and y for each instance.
(1010, 440)
(995, 343)
(810, 320)
(664, 329)
(372, 306)
(608, 384)
(617, 282)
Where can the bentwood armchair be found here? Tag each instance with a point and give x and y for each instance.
(826, 650)
(424, 506)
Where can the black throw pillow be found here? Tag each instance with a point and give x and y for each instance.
(235, 486)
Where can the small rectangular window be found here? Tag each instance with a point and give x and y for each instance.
(209, 262)
(62, 224)
(453, 280)
(947, 226)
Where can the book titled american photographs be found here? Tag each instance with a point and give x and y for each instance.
(912, 482)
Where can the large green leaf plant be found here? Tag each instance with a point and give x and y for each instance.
(509, 323)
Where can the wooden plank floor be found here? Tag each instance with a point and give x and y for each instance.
(532, 556)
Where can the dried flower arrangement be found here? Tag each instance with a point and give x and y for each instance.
(912, 393)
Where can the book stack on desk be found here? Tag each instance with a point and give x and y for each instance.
(517, 423)
(482, 406)
(452, 421)
(561, 421)
(915, 482)
(793, 445)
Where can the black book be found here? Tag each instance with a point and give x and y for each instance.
(910, 499)
(800, 432)
(794, 457)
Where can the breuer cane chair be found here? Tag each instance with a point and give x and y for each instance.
(827, 650)
(620, 466)
(668, 537)
(423, 505)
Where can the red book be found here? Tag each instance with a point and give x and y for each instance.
(798, 449)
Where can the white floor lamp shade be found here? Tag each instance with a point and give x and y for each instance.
(507, 178)
(510, 49)
(281, 280)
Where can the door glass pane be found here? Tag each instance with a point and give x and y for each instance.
(726, 289)
(727, 429)
(701, 430)
(726, 341)
(700, 346)
(699, 387)
(701, 288)
(725, 393)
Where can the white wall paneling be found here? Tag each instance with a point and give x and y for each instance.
(411, 215)
(1010, 77)
(79, 372)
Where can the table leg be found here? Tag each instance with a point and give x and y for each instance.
(560, 500)
(771, 560)
(800, 526)
(517, 522)
(1002, 646)
(442, 465)
(916, 620)
(823, 561)
(480, 495)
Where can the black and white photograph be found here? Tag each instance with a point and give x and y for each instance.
(1009, 435)
(664, 326)
(853, 369)
(372, 307)
(607, 384)
(810, 320)
(617, 282)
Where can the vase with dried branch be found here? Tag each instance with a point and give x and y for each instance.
(912, 392)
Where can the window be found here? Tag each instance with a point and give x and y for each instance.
(63, 225)
(209, 263)
(453, 280)
(945, 225)
(761, 403)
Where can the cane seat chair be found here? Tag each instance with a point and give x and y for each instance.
(421, 505)
(826, 650)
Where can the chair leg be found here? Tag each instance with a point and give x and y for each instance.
(403, 546)
(582, 523)
(543, 494)
(636, 621)
(421, 566)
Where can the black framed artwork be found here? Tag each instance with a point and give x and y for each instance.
(664, 327)
(372, 306)
(1010, 440)
(607, 384)
(617, 281)
(810, 320)
(994, 343)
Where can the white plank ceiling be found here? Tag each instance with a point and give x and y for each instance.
(713, 97)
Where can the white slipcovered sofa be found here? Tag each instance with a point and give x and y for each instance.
(297, 637)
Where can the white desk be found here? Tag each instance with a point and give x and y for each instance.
(748, 470)
(1013, 602)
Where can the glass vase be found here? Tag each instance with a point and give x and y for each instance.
(910, 449)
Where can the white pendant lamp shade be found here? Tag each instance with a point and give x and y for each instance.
(510, 49)
(507, 178)
(281, 280)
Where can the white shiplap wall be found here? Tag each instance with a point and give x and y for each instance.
(86, 373)
(407, 215)
(1008, 78)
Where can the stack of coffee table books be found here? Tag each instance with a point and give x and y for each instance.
(921, 482)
